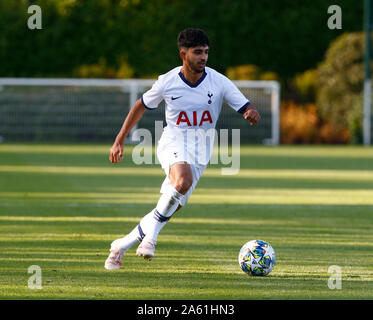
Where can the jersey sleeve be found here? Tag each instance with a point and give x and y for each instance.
(151, 98)
(234, 97)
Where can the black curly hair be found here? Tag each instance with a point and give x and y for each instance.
(191, 37)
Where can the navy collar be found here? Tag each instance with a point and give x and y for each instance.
(193, 85)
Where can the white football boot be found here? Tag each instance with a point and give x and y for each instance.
(146, 249)
(114, 261)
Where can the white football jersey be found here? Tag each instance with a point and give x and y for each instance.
(190, 107)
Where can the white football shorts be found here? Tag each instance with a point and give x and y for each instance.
(171, 151)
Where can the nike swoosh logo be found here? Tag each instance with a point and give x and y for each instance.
(174, 98)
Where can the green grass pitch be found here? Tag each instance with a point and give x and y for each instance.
(62, 205)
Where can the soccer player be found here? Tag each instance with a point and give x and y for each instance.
(193, 95)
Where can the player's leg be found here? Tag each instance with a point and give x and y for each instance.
(181, 179)
(120, 246)
(181, 176)
(151, 224)
(197, 172)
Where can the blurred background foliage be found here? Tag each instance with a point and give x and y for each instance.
(320, 70)
(340, 80)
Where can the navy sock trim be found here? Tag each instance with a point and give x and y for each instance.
(160, 217)
(142, 234)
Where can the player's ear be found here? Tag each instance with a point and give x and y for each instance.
(182, 53)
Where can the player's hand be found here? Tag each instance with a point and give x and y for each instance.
(252, 115)
(116, 153)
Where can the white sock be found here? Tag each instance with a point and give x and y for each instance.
(166, 206)
(136, 235)
(152, 223)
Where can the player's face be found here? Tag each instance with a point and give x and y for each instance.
(196, 58)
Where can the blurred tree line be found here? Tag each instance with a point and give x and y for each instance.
(139, 36)
(320, 70)
(325, 104)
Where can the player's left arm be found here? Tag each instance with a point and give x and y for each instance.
(234, 97)
(251, 114)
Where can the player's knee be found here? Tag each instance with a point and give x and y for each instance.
(183, 184)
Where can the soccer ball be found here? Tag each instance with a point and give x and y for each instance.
(257, 258)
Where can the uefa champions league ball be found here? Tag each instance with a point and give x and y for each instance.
(257, 258)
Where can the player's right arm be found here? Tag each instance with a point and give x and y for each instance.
(149, 100)
(133, 117)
